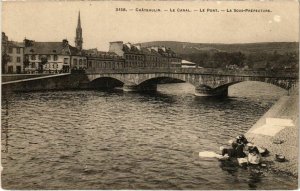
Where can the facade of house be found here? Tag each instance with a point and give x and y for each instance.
(12, 56)
(78, 60)
(152, 57)
(15, 52)
(51, 57)
(137, 56)
(103, 60)
(132, 55)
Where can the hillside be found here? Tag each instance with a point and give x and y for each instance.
(265, 55)
(247, 48)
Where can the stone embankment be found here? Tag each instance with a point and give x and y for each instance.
(13, 77)
(277, 130)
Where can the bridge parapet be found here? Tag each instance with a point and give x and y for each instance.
(203, 71)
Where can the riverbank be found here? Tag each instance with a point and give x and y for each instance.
(277, 130)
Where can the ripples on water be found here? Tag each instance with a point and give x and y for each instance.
(116, 140)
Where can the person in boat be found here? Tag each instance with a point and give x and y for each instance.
(254, 156)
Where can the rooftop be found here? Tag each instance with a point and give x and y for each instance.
(15, 44)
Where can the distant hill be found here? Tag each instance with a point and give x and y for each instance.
(247, 48)
(265, 55)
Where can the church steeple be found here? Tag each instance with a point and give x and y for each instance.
(79, 23)
(78, 38)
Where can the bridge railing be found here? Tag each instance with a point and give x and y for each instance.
(204, 71)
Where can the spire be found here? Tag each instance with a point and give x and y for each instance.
(78, 38)
(79, 23)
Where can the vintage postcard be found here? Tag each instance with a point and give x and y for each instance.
(150, 95)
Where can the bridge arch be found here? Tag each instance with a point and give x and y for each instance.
(286, 85)
(105, 82)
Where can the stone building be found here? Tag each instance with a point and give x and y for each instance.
(52, 57)
(137, 56)
(12, 56)
(152, 57)
(4, 56)
(169, 57)
(15, 57)
(103, 60)
(132, 54)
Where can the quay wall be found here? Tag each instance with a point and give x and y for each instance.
(59, 82)
(286, 141)
(13, 77)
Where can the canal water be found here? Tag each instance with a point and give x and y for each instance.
(117, 140)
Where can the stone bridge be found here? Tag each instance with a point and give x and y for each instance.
(207, 82)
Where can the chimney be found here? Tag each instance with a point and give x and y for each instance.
(116, 47)
(65, 42)
(28, 43)
(138, 46)
(154, 48)
(128, 44)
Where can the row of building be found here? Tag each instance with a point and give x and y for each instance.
(60, 57)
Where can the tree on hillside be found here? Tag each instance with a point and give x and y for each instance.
(220, 59)
(203, 59)
(237, 58)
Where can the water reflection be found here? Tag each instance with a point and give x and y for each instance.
(255, 178)
(229, 166)
(4, 129)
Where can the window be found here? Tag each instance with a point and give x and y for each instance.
(39, 57)
(80, 62)
(10, 50)
(18, 59)
(49, 57)
(32, 65)
(10, 69)
(18, 69)
(66, 61)
(18, 50)
(55, 57)
(32, 57)
(75, 61)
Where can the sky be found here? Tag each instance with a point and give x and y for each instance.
(101, 23)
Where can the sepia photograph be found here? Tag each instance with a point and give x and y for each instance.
(150, 95)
